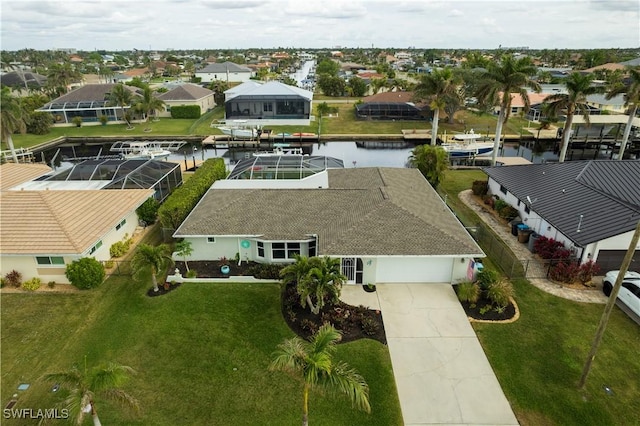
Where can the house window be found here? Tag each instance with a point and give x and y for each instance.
(292, 249)
(260, 245)
(211, 239)
(96, 247)
(514, 110)
(527, 209)
(503, 189)
(518, 203)
(312, 248)
(50, 260)
(267, 107)
(278, 251)
(121, 224)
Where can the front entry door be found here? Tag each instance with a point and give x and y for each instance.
(349, 269)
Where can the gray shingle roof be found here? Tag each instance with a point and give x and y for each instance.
(365, 211)
(605, 193)
(223, 68)
(89, 93)
(185, 92)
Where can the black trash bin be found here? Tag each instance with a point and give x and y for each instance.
(514, 227)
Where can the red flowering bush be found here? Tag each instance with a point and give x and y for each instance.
(565, 272)
(548, 248)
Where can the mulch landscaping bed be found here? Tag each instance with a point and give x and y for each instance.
(473, 311)
(354, 322)
(162, 289)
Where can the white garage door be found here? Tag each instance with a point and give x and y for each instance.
(414, 270)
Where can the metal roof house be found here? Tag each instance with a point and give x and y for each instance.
(271, 103)
(592, 207)
(387, 225)
(44, 230)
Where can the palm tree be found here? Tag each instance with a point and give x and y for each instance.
(314, 361)
(85, 385)
(61, 76)
(296, 271)
(579, 86)
(322, 282)
(153, 258)
(121, 96)
(438, 87)
(631, 100)
(149, 104)
(184, 249)
(431, 161)
(13, 119)
(502, 79)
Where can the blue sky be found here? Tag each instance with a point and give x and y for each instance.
(229, 24)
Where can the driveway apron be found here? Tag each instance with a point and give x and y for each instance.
(441, 372)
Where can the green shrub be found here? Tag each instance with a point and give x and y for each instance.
(13, 278)
(32, 285)
(2, 282)
(184, 198)
(51, 284)
(499, 293)
(186, 111)
(266, 271)
(148, 211)
(468, 291)
(109, 264)
(508, 212)
(480, 187)
(77, 120)
(39, 123)
(369, 326)
(499, 205)
(118, 249)
(192, 273)
(85, 273)
(486, 278)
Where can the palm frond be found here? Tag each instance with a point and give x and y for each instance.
(122, 398)
(347, 381)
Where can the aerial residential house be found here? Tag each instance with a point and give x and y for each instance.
(225, 71)
(386, 225)
(42, 231)
(88, 102)
(592, 207)
(22, 82)
(187, 94)
(268, 103)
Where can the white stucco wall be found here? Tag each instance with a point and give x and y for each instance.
(28, 267)
(207, 103)
(232, 77)
(414, 270)
(618, 242)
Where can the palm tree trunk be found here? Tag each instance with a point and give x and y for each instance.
(566, 134)
(305, 406)
(627, 131)
(94, 415)
(154, 280)
(434, 126)
(12, 149)
(496, 141)
(314, 309)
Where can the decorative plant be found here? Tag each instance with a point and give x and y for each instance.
(499, 293)
(33, 284)
(13, 278)
(487, 277)
(192, 273)
(480, 187)
(468, 291)
(103, 119)
(587, 271)
(85, 273)
(565, 272)
(77, 120)
(224, 261)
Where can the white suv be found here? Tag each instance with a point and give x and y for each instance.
(629, 293)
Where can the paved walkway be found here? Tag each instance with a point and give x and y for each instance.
(441, 372)
(536, 268)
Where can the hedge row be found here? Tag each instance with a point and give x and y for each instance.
(185, 111)
(184, 198)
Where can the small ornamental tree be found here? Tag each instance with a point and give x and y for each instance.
(85, 273)
(148, 211)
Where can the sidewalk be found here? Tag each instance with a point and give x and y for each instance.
(522, 252)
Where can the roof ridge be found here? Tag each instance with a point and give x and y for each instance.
(61, 223)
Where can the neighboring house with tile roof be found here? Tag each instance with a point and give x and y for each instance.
(592, 207)
(271, 103)
(225, 71)
(89, 102)
(187, 94)
(387, 225)
(43, 231)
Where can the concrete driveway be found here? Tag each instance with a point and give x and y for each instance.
(441, 372)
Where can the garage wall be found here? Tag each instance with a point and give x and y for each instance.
(414, 270)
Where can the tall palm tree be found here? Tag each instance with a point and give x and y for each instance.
(499, 82)
(439, 88)
(184, 249)
(579, 86)
(61, 76)
(151, 258)
(13, 119)
(631, 101)
(149, 104)
(431, 161)
(121, 96)
(322, 282)
(296, 271)
(84, 386)
(314, 361)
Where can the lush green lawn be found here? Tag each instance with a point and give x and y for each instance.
(539, 358)
(201, 353)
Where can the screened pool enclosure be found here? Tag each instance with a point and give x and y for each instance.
(388, 111)
(288, 166)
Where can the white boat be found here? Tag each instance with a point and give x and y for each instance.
(467, 145)
(141, 151)
(238, 129)
(279, 151)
